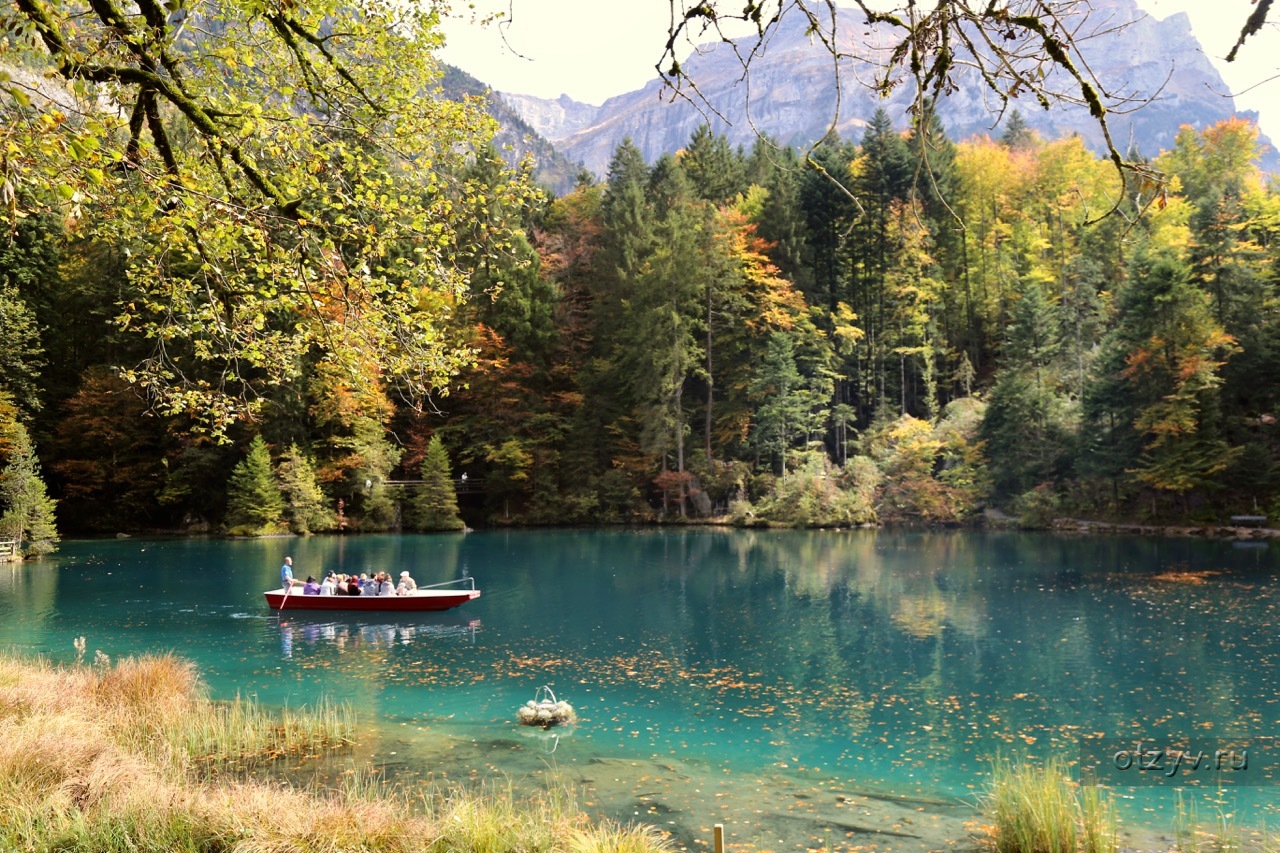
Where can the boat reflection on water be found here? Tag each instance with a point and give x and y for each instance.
(351, 632)
(547, 739)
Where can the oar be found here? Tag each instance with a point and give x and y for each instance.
(285, 597)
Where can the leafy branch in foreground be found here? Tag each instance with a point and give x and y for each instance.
(287, 181)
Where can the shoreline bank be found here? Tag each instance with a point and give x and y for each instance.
(1199, 531)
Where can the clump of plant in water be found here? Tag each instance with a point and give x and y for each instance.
(1222, 836)
(1041, 810)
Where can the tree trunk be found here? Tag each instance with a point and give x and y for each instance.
(711, 385)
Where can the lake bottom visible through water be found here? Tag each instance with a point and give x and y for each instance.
(806, 690)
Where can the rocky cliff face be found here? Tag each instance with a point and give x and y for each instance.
(791, 95)
(515, 138)
(553, 120)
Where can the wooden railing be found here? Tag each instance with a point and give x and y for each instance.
(461, 485)
(8, 548)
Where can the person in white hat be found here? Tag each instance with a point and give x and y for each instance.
(407, 584)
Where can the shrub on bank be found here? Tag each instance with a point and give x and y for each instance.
(1037, 508)
(815, 493)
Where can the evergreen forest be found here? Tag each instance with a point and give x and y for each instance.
(909, 329)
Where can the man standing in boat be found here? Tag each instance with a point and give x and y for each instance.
(286, 576)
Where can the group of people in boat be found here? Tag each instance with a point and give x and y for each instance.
(338, 584)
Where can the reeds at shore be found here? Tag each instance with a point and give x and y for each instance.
(1039, 809)
(130, 757)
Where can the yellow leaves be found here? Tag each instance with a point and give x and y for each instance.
(19, 96)
(847, 333)
(1193, 578)
(267, 179)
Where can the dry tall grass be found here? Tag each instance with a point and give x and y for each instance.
(1040, 810)
(116, 758)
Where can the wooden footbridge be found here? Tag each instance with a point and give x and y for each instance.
(461, 485)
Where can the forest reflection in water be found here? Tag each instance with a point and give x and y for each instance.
(779, 682)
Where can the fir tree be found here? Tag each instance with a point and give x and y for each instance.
(435, 506)
(1029, 420)
(28, 510)
(1017, 134)
(1027, 430)
(781, 415)
(828, 210)
(661, 347)
(1034, 337)
(1152, 412)
(305, 503)
(883, 177)
(781, 222)
(1173, 367)
(21, 356)
(513, 297)
(377, 456)
(716, 172)
(254, 503)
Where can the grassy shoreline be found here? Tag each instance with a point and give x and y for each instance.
(134, 756)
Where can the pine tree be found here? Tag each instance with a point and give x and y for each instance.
(883, 174)
(828, 210)
(782, 414)
(1174, 370)
(1152, 414)
(254, 503)
(305, 502)
(21, 356)
(28, 510)
(780, 220)
(663, 338)
(1016, 133)
(511, 294)
(716, 172)
(435, 506)
(1028, 419)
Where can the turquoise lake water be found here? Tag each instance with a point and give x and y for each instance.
(802, 688)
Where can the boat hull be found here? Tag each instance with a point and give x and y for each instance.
(424, 600)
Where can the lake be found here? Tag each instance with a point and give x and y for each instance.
(805, 689)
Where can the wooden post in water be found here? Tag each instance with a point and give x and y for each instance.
(719, 838)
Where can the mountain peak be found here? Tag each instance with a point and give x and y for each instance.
(1154, 65)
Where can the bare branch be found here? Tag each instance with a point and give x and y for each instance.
(1257, 18)
(1019, 48)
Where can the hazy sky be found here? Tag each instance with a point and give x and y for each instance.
(590, 51)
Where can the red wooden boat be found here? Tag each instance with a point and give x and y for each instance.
(423, 599)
